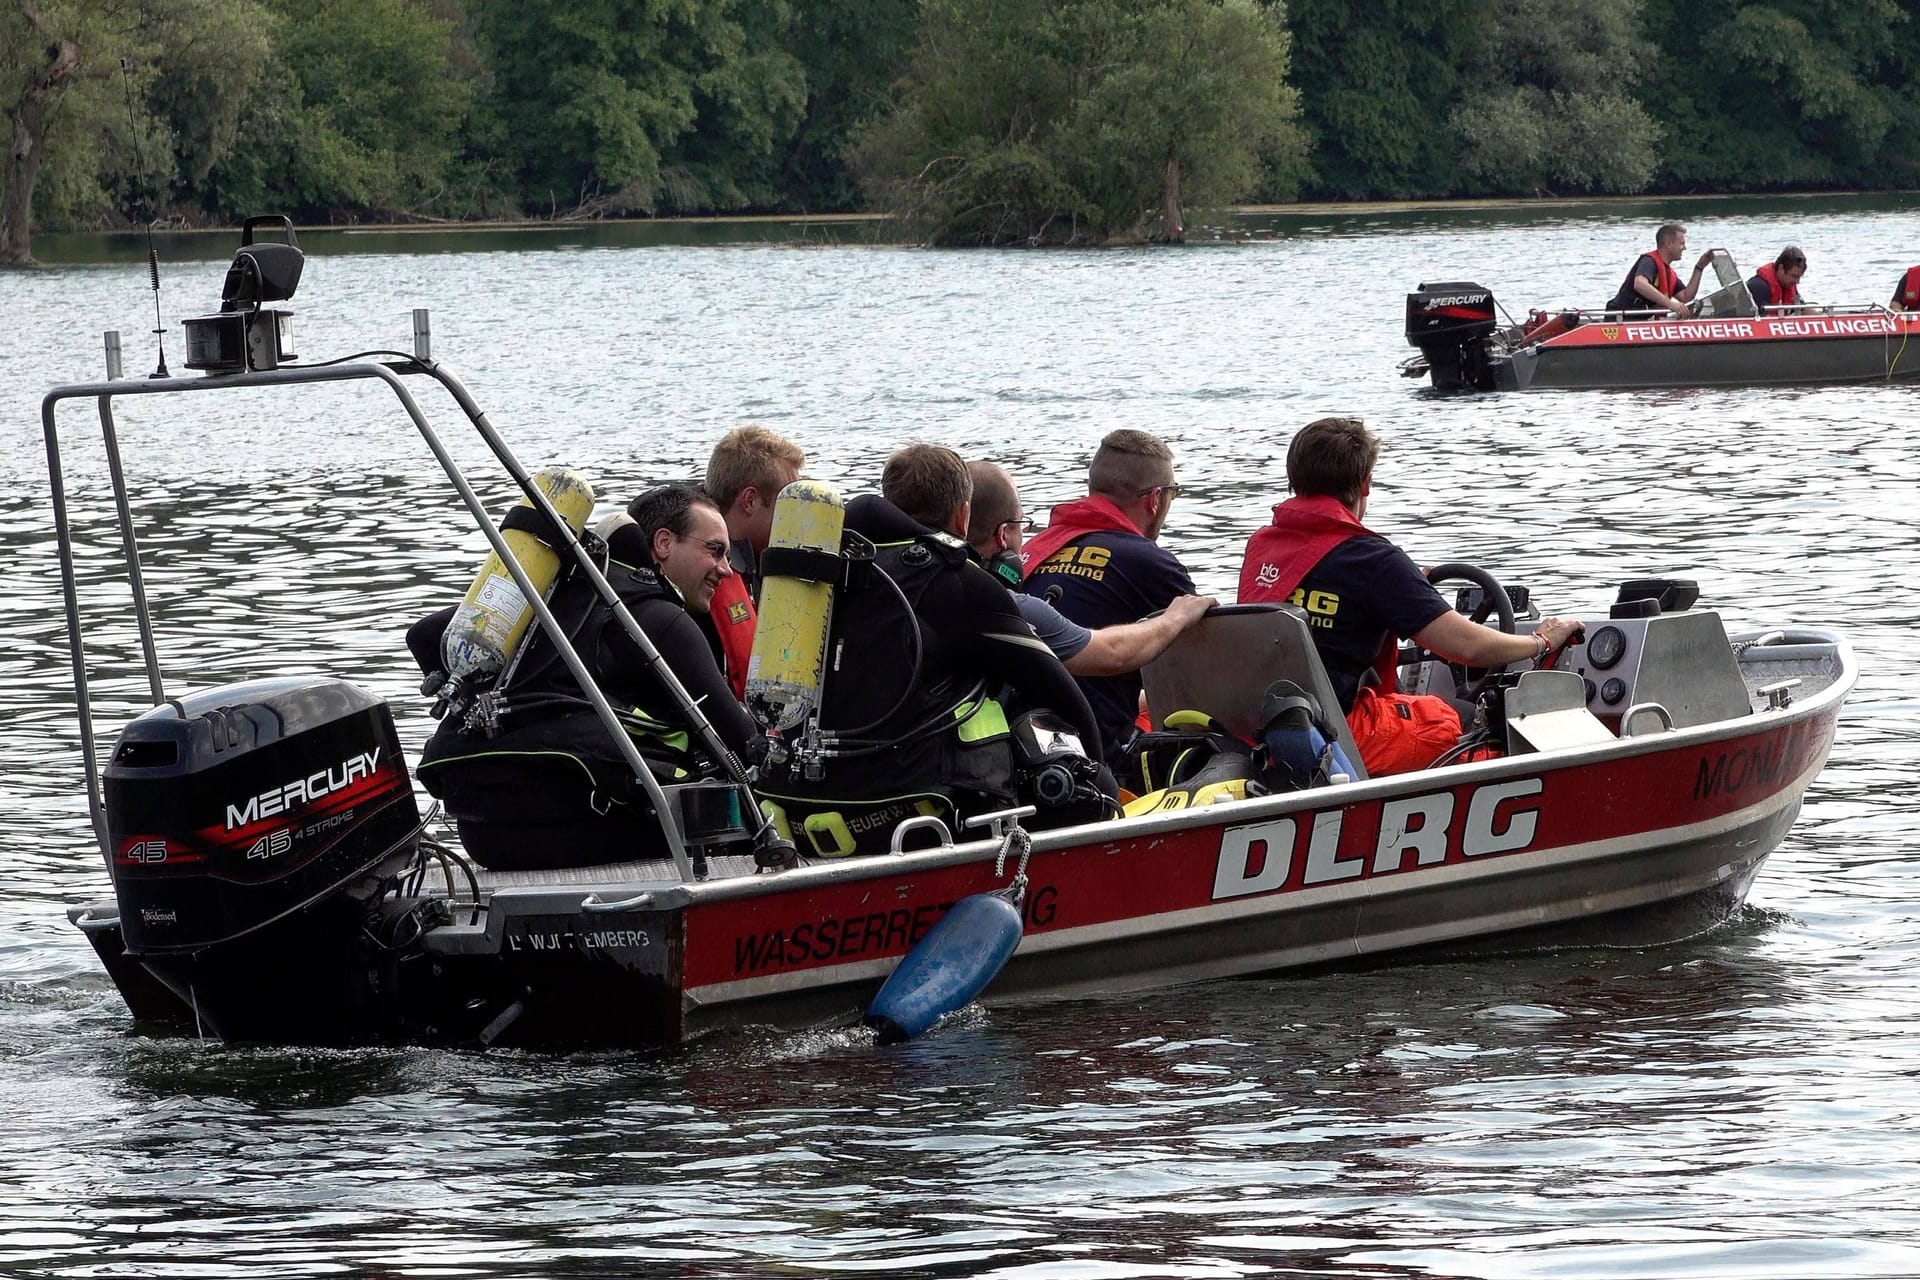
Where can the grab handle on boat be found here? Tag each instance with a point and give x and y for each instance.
(923, 822)
(1764, 639)
(1779, 694)
(594, 902)
(1000, 819)
(1644, 708)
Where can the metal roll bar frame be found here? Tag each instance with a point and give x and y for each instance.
(422, 363)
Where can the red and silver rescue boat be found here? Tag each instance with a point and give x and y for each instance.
(274, 879)
(1727, 341)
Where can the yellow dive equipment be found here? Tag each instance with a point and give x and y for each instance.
(1217, 779)
(788, 666)
(493, 618)
(1170, 798)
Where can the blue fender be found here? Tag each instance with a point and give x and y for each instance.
(949, 967)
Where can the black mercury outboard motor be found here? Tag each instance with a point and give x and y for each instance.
(254, 830)
(1452, 322)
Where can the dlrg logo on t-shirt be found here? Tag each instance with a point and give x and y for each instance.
(1321, 606)
(1080, 562)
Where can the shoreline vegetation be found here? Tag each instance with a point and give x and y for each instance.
(1295, 208)
(966, 122)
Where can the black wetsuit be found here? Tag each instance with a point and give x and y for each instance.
(551, 788)
(972, 641)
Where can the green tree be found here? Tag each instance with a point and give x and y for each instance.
(83, 133)
(851, 52)
(1786, 93)
(615, 106)
(1550, 105)
(1067, 121)
(1378, 81)
(361, 114)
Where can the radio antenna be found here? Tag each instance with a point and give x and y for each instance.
(153, 254)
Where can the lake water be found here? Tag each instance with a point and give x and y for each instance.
(1743, 1104)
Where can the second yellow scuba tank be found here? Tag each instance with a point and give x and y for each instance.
(492, 619)
(787, 670)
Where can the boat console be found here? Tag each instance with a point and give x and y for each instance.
(1653, 648)
(1681, 661)
(1732, 298)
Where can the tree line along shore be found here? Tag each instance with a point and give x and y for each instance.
(973, 121)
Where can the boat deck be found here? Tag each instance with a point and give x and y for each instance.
(612, 875)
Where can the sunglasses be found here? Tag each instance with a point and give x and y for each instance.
(1171, 490)
(713, 546)
(1027, 524)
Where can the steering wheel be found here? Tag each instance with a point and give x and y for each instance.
(1493, 597)
(1494, 601)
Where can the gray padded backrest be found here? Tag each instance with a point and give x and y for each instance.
(1223, 664)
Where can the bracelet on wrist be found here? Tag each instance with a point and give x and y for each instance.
(1545, 645)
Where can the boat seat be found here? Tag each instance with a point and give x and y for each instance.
(1547, 711)
(1223, 664)
(1732, 297)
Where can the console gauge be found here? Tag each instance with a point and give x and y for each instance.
(1613, 691)
(1605, 647)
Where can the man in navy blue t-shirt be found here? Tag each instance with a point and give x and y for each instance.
(1359, 591)
(997, 531)
(1100, 553)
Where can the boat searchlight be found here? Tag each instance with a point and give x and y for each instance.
(245, 333)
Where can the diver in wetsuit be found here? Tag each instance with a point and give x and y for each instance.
(930, 739)
(550, 788)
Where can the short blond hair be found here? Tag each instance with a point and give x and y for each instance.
(750, 457)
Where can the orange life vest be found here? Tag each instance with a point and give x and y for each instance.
(1669, 279)
(1907, 296)
(734, 618)
(1784, 294)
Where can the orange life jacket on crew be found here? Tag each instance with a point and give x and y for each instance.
(734, 618)
(1907, 296)
(1091, 514)
(1783, 294)
(1665, 279)
(1669, 279)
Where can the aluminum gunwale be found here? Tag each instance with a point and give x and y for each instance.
(1355, 893)
(1150, 825)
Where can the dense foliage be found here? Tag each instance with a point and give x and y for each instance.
(1081, 119)
(988, 120)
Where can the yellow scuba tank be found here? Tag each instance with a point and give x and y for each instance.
(788, 665)
(493, 618)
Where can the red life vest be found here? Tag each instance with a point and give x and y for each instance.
(1666, 279)
(1280, 556)
(1784, 295)
(1091, 514)
(734, 618)
(1396, 732)
(1907, 296)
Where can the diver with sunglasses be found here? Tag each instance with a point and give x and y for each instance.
(540, 784)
